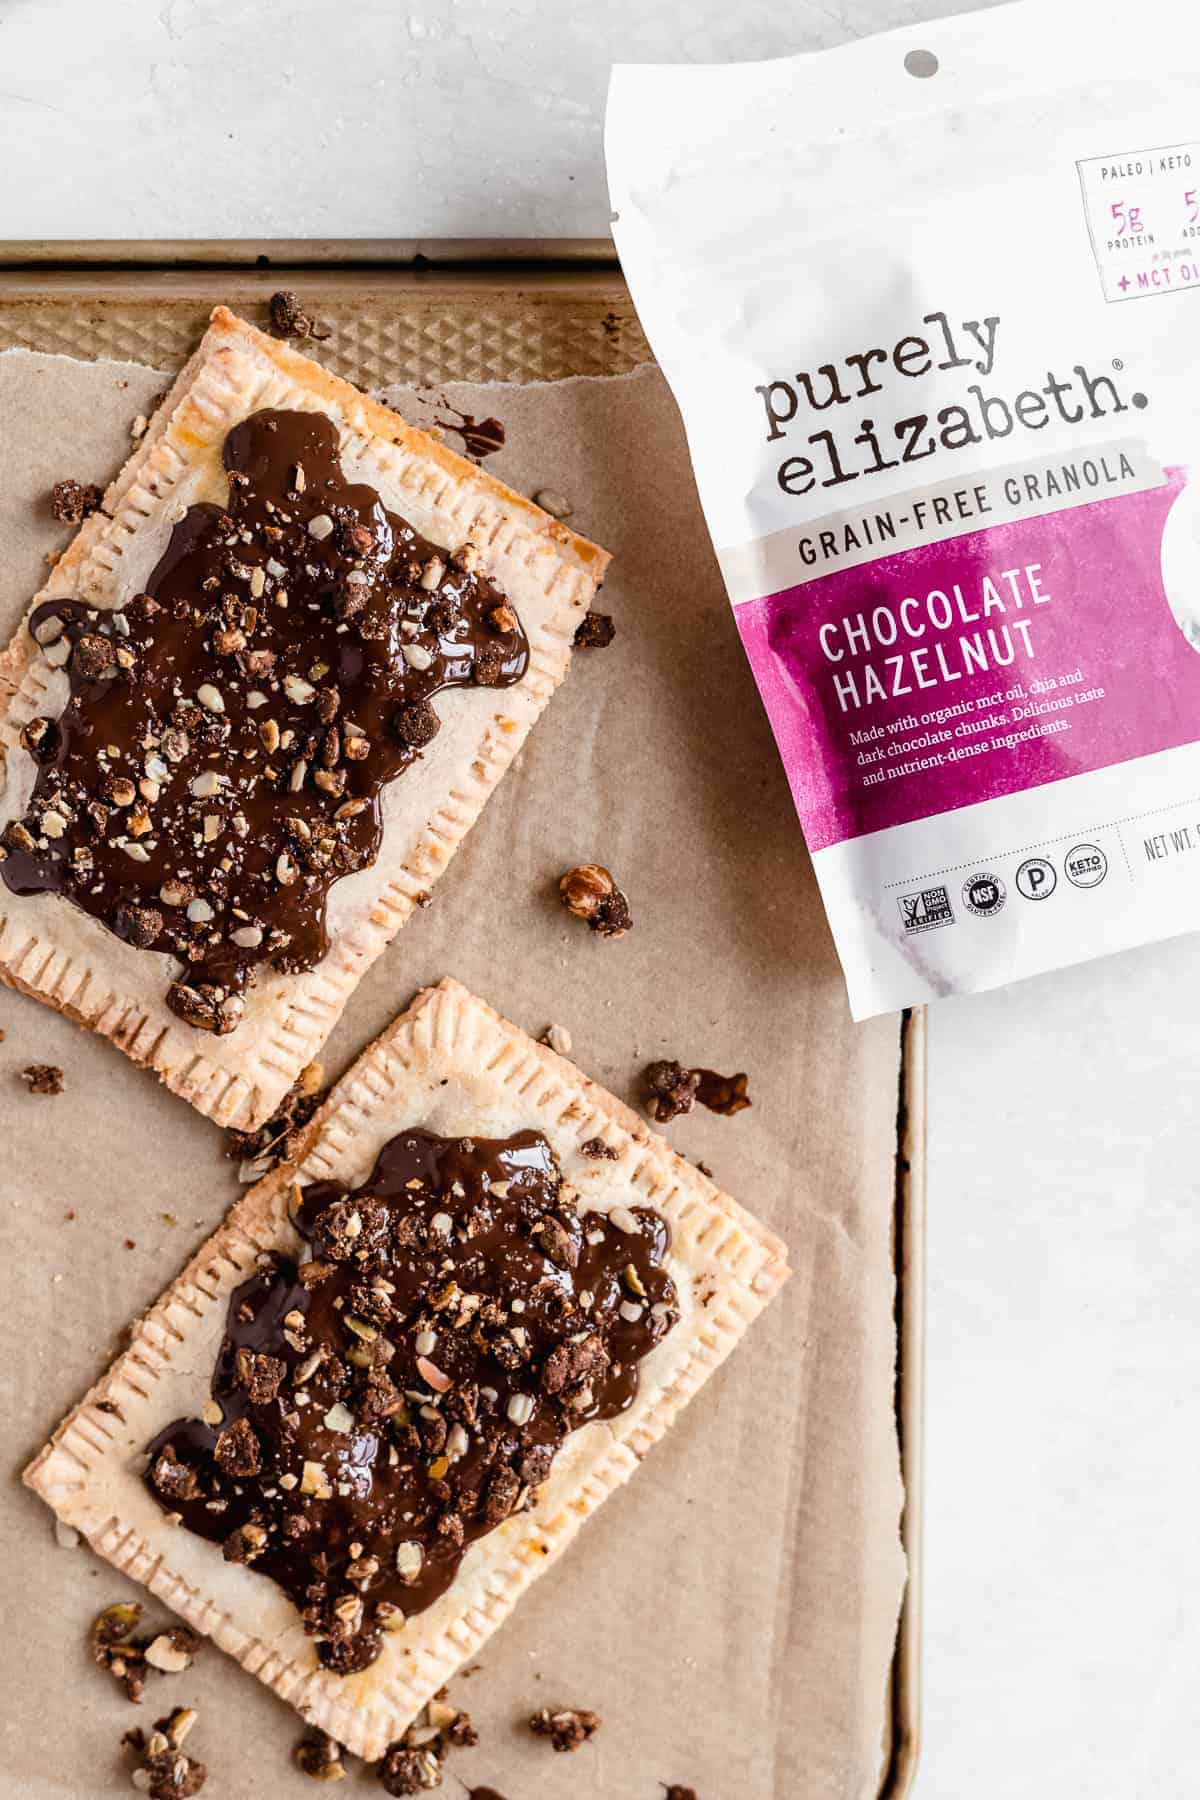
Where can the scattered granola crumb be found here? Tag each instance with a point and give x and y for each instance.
(558, 1039)
(139, 428)
(597, 1147)
(590, 893)
(75, 501)
(320, 1757)
(289, 319)
(672, 1089)
(568, 1729)
(414, 1764)
(165, 1771)
(277, 1140)
(675, 1090)
(44, 1078)
(705, 1170)
(595, 631)
(675, 1792)
(127, 1657)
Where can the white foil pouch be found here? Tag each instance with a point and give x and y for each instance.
(930, 306)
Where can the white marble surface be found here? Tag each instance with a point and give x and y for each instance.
(1063, 1452)
(368, 118)
(1064, 1331)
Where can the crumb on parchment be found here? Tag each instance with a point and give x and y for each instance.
(44, 1078)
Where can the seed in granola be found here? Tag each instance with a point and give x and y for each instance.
(590, 893)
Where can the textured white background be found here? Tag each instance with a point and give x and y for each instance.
(1064, 1331)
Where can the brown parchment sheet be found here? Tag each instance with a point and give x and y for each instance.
(731, 1614)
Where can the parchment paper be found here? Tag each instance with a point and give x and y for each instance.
(732, 1613)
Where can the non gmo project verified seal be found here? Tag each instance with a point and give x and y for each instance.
(925, 911)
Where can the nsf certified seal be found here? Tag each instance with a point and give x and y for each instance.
(984, 895)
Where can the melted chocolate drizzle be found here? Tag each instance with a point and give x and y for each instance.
(221, 759)
(403, 1388)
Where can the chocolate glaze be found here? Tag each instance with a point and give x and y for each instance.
(722, 1093)
(323, 625)
(480, 437)
(448, 1325)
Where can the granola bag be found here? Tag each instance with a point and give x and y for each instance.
(930, 306)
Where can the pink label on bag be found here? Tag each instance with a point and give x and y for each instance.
(984, 665)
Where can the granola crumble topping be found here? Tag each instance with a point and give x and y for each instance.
(221, 759)
(403, 1387)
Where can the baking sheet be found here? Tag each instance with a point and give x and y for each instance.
(732, 1614)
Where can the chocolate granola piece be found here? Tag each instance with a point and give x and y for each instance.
(127, 1657)
(590, 893)
(138, 925)
(277, 1139)
(320, 1756)
(289, 319)
(237, 1451)
(174, 1480)
(568, 1729)
(672, 1089)
(673, 1791)
(467, 1319)
(595, 631)
(221, 758)
(675, 1089)
(44, 1078)
(206, 1007)
(404, 1771)
(115, 1648)
(597, 1147)
(75, 501)
(261, 1375)
(165, 1771)
(414, 1765)
(417, 725)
